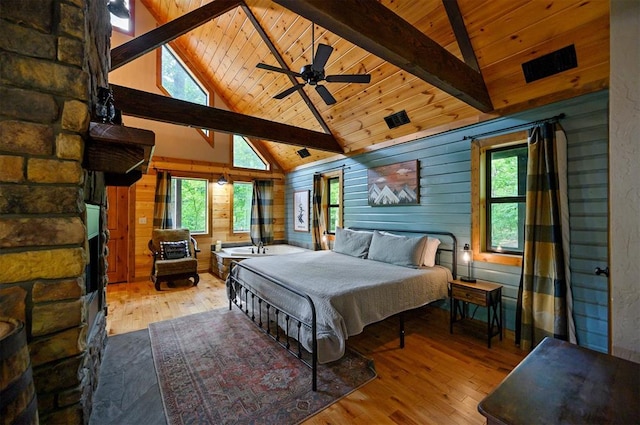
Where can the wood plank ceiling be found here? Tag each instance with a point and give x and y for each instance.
(503, 34)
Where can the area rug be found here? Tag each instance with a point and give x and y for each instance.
(219, 368)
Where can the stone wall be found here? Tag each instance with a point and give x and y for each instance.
(53, 54)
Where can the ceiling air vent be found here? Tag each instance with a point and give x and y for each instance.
(397, 119)
(304, 153)
(550, 64)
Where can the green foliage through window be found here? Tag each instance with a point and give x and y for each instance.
(506, 196)
(242, 194)
(190, 204)
(178, 82)
(244, 156)
(333, 185)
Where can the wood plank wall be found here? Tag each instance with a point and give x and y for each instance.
(445, 181)
(220, 224)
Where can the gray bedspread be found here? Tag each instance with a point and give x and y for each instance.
(348, 293)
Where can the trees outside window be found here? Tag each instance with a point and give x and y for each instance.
(498, 195)
(176, 80)
(506, 196)
(333, 206)
(244, 156)
(242, 194)
(190, 204)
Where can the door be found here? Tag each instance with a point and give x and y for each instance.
(118, 225)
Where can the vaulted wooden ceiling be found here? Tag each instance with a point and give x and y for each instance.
(503, 34)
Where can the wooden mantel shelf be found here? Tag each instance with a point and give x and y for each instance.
(122, 153)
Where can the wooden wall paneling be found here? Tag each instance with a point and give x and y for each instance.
(145, 194)
(220, 214)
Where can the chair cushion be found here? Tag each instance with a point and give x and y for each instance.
(171, 267)
(174, 250)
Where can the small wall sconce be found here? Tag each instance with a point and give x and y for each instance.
(467, 257)
(222, 180)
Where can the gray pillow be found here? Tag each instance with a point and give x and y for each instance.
(399, 250)
(351, 242)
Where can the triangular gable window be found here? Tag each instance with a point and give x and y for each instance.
(244, 156)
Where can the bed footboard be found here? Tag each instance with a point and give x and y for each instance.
(281, 326)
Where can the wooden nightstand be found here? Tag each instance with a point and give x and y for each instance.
(485, 294)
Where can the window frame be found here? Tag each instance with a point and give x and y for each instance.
(233, 194)
(479, 149)
(197, 78)
(326, 179)
(132, 20)
(176, 208)
(330, 205)
(491, 200)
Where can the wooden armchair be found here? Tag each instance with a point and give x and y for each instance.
(174, 256)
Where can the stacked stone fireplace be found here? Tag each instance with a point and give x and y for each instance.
(53, 56)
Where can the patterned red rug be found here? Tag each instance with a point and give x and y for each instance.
(218, 368)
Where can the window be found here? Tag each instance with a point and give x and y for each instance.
(333, 206)
(498, 188)
(244, 156)
(507, 184)
(124, 25)
(242, 194)
(190, 204)
(333, 189)
(178, 82)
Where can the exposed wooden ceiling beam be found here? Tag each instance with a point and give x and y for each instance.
(153, 39)
(283, 64)
(161, 108)
(378, 30)
(460, 31)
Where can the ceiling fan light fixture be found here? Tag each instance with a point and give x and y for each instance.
(313, 74)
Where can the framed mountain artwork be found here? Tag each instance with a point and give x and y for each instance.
(395, 184)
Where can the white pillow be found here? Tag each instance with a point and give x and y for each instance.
(430, 251)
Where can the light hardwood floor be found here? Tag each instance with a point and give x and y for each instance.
(438, 378)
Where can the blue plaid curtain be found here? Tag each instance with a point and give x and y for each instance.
(262, 212)
(543, 307)
(162, 216)
(319, 205)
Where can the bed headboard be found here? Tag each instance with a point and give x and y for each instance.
(451, 236)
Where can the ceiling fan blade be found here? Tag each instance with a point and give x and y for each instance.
(322, 56)
(288, 91)
(349, 78)
(276, 69)
(325, 95)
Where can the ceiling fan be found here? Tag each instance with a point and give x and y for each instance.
(313, 74)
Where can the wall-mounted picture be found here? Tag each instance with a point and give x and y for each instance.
(301, 211)
(395, 184)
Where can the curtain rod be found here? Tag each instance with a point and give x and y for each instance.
(516, 127)
(213, 175)
(342, 167)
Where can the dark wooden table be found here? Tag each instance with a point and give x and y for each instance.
(561, 383)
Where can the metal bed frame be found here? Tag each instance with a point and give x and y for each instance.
(255, 307)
